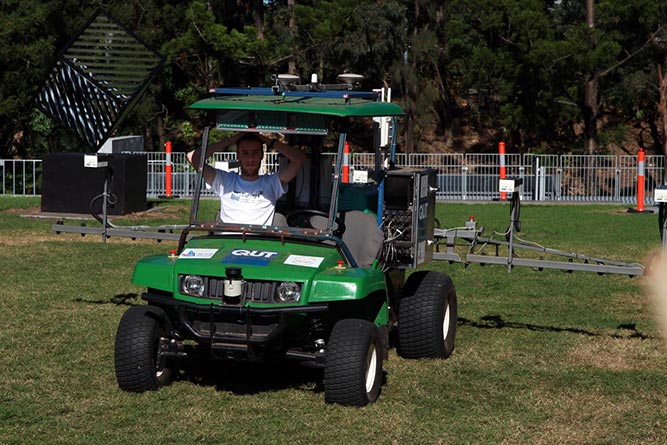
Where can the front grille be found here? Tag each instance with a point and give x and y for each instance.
(257, 332)
(257, 291)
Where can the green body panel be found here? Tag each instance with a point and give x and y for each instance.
(156, 272)
(261, 259)
(346, 284)
(311, 105)
(382, 318)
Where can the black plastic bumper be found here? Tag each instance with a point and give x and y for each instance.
(243, 317)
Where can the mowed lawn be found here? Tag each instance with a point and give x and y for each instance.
(541, 357)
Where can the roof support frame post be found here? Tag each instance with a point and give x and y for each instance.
(200, 176)
(342, 137)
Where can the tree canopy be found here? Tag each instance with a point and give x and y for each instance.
(542, 75)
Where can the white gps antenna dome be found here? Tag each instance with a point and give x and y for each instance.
(350, 78)
(287, 79)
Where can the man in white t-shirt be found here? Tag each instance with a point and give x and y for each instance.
(248, 197)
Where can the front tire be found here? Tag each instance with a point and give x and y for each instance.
(427, 316)
(353, 365)
(139, 366)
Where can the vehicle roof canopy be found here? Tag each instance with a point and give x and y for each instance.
(262, 109)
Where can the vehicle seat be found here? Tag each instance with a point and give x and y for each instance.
(363, 237)
(279, 220)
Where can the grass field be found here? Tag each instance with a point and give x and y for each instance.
(541, 357)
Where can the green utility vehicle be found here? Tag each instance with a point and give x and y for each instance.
(325, 285)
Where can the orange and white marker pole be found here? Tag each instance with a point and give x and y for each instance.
(346, 162)
(503, 168)
(641, 169)
(168, 170)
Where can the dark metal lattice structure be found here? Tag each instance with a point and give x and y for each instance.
(97, 78)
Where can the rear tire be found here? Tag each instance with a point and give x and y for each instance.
(353, 365)
(139, 367)
(427, 316)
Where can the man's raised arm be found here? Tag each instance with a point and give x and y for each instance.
(194, 155)
(296, 159)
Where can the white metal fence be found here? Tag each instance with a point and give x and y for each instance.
(463, 177)
(20, 177)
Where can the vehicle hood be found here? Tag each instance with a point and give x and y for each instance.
(258, 259)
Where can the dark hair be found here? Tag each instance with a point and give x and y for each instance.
(249, 137)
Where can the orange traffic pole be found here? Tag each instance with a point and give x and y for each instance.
(168, 170)
(641, 168)
(346, 162)
(503, 168)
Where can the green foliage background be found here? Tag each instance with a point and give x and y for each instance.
(513, 69)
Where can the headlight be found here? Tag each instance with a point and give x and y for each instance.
(193, 285)
(289, 291)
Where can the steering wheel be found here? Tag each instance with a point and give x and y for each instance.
(300, 218)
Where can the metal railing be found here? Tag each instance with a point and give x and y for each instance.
(462, 177)
(20, 177)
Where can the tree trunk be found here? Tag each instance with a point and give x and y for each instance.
(159, 129)
(590, 113)
(443, 107)
(655, 130)
(291, 68)
(590, 13)
(662, 113)
(409, 133)
(17, 147)
(258, 13)
(662, 106)
(591, 91)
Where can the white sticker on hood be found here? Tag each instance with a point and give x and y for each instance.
(199, 254)
(303, 260)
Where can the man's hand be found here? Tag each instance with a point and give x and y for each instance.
(194, 159)
(296, 159)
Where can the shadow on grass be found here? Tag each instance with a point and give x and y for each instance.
(243, 378)
(497, 322)
(119, 300)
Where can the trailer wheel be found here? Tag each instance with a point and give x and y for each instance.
(139, 366)
(427, 316)
(353, 365)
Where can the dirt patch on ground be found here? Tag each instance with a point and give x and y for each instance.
(160, 212)
(25, 239)
(576, 418)
(157, 212)
(617, 354)
(17, 211)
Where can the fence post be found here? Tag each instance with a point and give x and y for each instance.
(346, 162)
(168, 170)
(641, 168)
(536, 192)
(464, 182)
(503, 167)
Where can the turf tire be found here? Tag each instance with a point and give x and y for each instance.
(138, 367)
(427, 316)
(353, 365)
